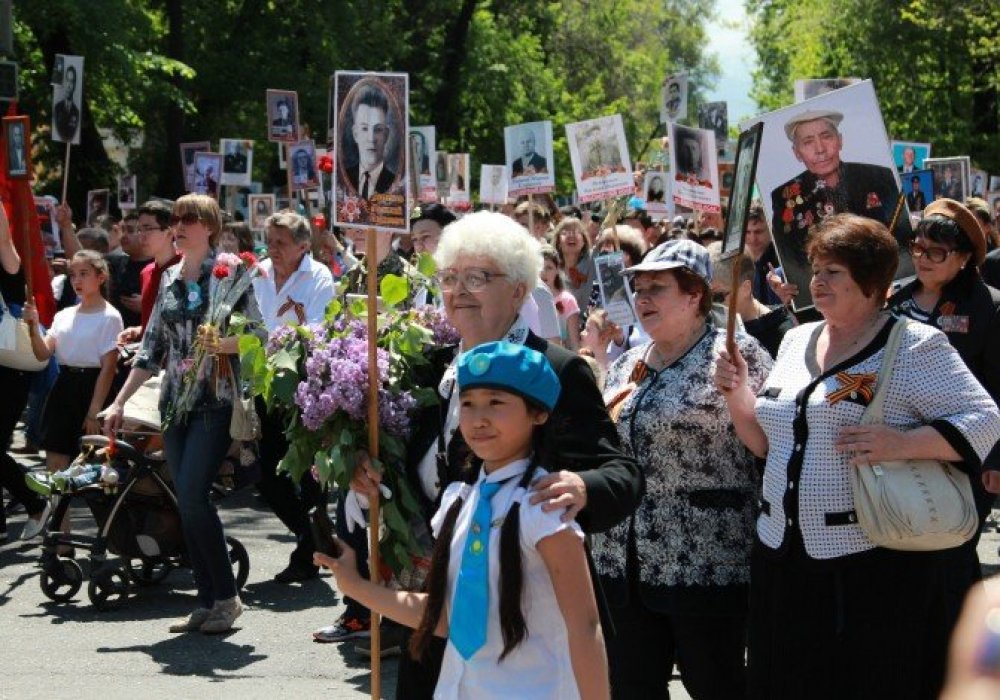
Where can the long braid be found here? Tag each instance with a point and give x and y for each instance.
(512, 624)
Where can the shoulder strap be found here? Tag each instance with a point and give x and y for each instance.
(874, 412)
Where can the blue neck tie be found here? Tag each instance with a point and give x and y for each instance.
(467, 629)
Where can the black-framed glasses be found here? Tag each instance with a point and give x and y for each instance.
(188, 219)
(936, 254)
(146, 230)
(473, 279)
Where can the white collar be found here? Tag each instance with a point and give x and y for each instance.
(504, 473)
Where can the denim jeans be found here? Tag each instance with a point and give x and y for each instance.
(194, 452)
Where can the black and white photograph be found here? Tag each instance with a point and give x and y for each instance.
(423, 142)
(910, 155)
(67, 101)
(695, 168)
(674, 98)
(207, 171)
(126, 191)
(747, 157)
(237, 161)
(45, 209)
(58, 67)
(656, 193)
(825, 156)
(188, 151)
(441, 173)
(994, 185)
(282, 115)
(951, 177)
(599, 153)
(458, 187)
(17, 136)
(371, 141)
(528, 149)
(994, 202)
(97, 205)
(918, 186)
(614, 289)
(302, 160)
(261, 207)
(978, 181)
(714, 116)
(814, 87)
(493, 184)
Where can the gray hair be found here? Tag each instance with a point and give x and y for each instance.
(494, 236)
(296, 224)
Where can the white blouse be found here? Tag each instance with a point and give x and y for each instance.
(540, 667)
(83, 338)
(806, 491)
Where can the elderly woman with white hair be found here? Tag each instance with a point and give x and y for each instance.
(487, 264)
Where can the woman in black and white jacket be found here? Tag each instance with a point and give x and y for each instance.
(831, 614)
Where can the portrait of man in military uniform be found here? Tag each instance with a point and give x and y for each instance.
(828, 185)
(66, 107)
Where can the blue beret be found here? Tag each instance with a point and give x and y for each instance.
(510, 367)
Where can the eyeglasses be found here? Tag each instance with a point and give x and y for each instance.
(146, 230)
(935, 254)
(473, 280)
(188, 219)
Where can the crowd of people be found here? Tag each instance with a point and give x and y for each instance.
(603, 504)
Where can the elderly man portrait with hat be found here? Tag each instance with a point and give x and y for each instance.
(828, 185)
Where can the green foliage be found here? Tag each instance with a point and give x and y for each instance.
(935, 65)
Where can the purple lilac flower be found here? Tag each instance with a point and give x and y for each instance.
(279, 338)
(436, 321)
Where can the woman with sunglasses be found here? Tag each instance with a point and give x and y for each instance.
(949, 294)
(195, 443)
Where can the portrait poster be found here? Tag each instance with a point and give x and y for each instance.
(261, 207)
(67, 101)
(188, 151)
(918, 186)
(994, 183)
(237, 161)
(528, 148)
(714, 116)
(207, 170)
(423, 141)
(674, 98)
(827, 155)
(615, 292)
(951, 177)
(747, 159)
(994, 202)
(978, 182)
(814, 87)
(656, 190)
(727, 173)
(127, 191)
(370, 144)
(910, 155)
(598, 151)
(45, 208)
(694, 167)
(97, 205)
(17, 137)
(458, 187)
(441, 173)
(493, 184)
(282, 115)
(301, 158)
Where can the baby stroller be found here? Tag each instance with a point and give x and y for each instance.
(137, 519)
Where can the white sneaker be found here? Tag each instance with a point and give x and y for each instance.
(192, 622)
(33, 528)
(223, 616)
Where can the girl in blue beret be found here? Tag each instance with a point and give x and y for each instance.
(509, 585)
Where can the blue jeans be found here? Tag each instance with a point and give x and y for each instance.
(194, 452)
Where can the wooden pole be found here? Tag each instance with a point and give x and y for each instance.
(66, 172)
(371, 256)
(288, 174)
(531, 214)
(731, 317)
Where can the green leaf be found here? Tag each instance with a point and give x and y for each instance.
(358, 308)
(283, 386)
(426, 265)
(393, 290)
(333, 310)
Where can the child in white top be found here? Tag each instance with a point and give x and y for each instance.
(542, 631)
(83, 339)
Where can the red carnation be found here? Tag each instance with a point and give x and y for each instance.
(220, 271)
(248, 258)
(325, 163)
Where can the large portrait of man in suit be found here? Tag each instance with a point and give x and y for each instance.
(16, 137)
(530, 161)
(67, 99)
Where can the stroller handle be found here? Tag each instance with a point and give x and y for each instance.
(119, 447)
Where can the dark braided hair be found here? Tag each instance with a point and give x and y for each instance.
(512, 624)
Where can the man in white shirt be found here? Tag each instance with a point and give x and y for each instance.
(296, 289)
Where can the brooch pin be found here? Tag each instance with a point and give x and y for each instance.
(854, 385)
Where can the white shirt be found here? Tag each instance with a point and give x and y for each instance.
(539, 310)
(540, 667)
(83, 338)
(311, 285)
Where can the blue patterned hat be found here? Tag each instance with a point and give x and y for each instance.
(510, 367)
(670, 255)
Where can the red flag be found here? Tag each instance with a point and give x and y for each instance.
(19, 203)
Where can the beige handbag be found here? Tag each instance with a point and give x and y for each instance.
(914, 505)
(15, 343)
(244, 424)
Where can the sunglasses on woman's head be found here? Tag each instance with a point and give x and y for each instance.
(188, 219)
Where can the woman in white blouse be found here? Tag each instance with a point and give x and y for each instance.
(832, 615)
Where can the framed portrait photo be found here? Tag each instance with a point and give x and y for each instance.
(695, 168)
(282, 116)
(261, 207)
(188, 151)
(747, 153)
(17, 138)
(97, 205)
(301, 159)
(237, 161)
(127, 191)
(207, 171)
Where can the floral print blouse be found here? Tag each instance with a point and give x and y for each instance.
(168, 343)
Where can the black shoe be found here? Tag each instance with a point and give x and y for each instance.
(296, 572)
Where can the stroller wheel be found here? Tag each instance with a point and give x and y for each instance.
(148, 572)
(240, 560)
(109, 591)
(63, 582)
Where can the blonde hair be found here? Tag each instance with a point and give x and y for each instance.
(206, 208)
